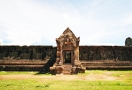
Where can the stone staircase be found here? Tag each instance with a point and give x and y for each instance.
(119, 65)
(67, 69)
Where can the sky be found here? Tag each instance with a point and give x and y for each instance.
(40, 22)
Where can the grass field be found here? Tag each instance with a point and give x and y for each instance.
(91, 80)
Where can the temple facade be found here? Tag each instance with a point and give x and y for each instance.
(67, 60)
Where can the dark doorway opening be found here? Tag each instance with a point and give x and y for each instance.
(67, 57)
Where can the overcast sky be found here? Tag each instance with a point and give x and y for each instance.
(39, 22)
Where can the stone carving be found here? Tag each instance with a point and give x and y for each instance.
(67, 61)
(128, 41)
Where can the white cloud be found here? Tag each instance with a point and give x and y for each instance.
(128, 20)
(27, 22)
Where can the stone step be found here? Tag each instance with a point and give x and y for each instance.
(67, 69)
(107, 64)
(109, 67)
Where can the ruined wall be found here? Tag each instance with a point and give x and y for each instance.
(90, 53)
(40, 58)
(45, 53)
(27, 58)
(25, 52)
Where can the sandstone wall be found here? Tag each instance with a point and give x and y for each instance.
(25, 52)
(27, 58)
(120, 53)
(40, 58)
(44, 53)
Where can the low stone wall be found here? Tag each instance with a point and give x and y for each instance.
(27, 58)
(22, 65)
(25, 52)
(40, 58)
(116, 53)
(107, 65)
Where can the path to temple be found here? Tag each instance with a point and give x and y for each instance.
(104, 76)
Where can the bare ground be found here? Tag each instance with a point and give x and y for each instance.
(105, 76)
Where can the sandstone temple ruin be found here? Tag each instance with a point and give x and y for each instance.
(67, 60)
(68, 57)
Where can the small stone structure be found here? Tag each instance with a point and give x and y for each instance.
(128, 41)
(67, 58)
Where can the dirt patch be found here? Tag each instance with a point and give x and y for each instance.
(61, 77)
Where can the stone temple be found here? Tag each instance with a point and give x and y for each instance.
(67, 57)
(67, 60)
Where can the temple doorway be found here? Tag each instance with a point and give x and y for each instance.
(68, 56)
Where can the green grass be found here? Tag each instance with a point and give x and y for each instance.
(21, 72)
(123, 83)
(16, 72)
(33, 84)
